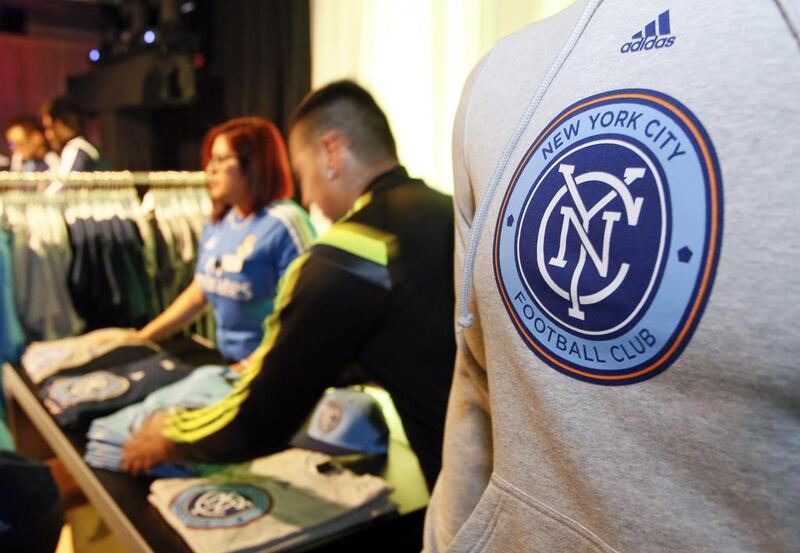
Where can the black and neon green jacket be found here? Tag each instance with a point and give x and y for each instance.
(376, 290)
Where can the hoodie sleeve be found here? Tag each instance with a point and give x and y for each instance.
(467, 458)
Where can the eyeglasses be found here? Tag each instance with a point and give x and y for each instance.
(219, 160)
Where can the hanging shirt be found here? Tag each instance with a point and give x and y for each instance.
(41, 314)
(53, 314)
(11, 336)
(240, 262)
(286, 499)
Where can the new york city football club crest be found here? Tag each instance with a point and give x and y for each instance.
(94, 386)
(221, 505)
(608, 236)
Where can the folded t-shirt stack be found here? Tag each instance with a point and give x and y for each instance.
(77, 396)
(283, 500)
(44, 359)
(204, 386)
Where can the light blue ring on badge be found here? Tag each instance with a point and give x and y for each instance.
(94, 386)
(221, 505)
(608, 236)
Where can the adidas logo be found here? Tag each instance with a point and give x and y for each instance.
(649, 39)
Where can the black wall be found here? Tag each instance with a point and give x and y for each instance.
(242, 57)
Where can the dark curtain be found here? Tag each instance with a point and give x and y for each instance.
(33, 69)
(262, 53)
(259, 63)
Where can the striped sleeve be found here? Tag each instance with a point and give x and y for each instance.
(328, 302)
(296, 221)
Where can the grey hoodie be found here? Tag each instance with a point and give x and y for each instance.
(627, 375)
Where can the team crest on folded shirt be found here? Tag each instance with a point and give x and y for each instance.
(94, 386)
(608, 237)
(221, 505)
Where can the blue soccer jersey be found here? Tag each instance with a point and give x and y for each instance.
(239, 264)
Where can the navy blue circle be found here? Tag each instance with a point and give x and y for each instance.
(638, 243)
(185, 505)
(577, 350)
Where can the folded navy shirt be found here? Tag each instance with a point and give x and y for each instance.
(105, 385)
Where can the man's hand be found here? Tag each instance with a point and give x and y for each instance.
(148, 447)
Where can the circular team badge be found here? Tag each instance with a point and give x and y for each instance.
(608, 237)
(95, 386)
(221, 505)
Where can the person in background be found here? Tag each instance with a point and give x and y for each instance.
(28, 146)
(255, 231)
(375, 291)
(63, 127)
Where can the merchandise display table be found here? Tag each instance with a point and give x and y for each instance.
(122, 499)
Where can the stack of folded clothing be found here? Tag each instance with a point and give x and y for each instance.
(284, 500)
(79, 395)
(44, 359)
(204, 386)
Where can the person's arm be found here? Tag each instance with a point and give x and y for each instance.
(328, 303)
(188, 305)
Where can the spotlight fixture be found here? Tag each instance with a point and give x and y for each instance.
(149, 36)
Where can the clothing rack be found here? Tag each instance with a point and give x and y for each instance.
(105, 179)
(104, 249)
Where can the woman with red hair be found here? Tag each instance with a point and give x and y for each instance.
(255, 231)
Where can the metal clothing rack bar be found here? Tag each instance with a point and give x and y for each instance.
(105, 179)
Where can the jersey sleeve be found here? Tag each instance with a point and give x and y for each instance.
(328, 301)
(295, 233)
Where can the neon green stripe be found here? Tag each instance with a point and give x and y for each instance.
(273, 324)
(363, 241)
(230, 404)
(201, 433)
(362, 201)
(240, 386)
(206, 421)
(190, 417)
(187, 419)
